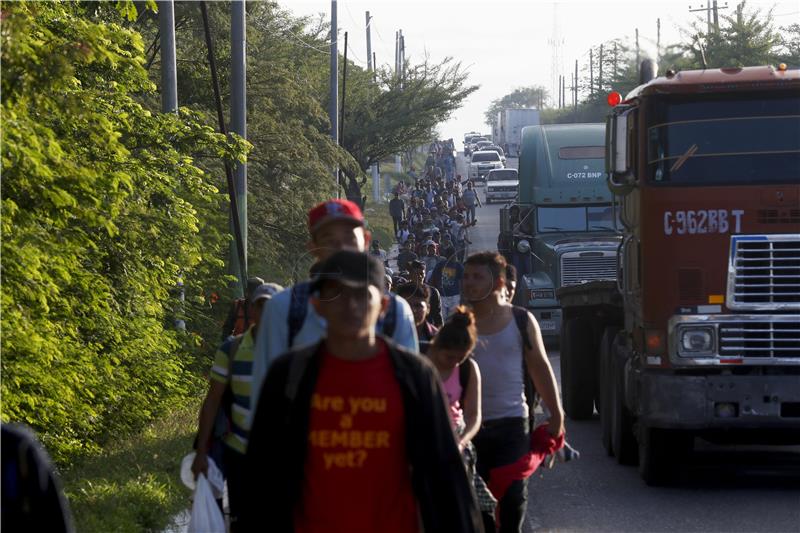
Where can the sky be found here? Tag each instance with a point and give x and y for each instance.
(505, 44)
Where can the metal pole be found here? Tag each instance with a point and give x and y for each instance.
(169, 101)
(716, 17)
(369, 46)
(398, 165)
(376, 179)
(637, 50)
(658, 39)
(374, 67)
(237, 230)
(239, 108)
(169, 69)
(575, 87)
(591, 72)
(344, 91)
(600, 72)
(333, 109)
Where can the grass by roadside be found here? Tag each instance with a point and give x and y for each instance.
(379, 222)
(135, 485)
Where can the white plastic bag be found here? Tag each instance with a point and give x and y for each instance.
(214, 475)
(206, 516)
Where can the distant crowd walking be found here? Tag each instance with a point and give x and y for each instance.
(375, 399)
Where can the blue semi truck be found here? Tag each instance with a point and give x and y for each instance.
(563, 229)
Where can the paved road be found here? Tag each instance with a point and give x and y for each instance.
(731, 489)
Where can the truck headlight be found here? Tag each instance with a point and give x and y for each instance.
(523, 246)
(695, 341)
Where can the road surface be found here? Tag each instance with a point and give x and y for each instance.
(721, 489)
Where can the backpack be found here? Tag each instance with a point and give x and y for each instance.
(531, 396)
(298, 307)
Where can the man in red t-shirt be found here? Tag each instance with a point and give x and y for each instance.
(352, 434)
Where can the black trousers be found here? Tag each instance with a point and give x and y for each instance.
(501, 442)
(234, 472)
(396, 221)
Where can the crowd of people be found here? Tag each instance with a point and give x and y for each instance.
(375, 399)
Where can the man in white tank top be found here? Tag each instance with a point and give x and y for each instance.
(504, 435)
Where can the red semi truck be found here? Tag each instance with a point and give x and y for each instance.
(700, 334)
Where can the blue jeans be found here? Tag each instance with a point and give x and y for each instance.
(470, 213)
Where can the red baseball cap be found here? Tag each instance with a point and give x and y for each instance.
(334, 210)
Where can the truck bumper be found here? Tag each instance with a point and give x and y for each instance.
(718, 401)
(549, 319)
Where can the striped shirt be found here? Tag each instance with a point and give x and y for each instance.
(241, 379)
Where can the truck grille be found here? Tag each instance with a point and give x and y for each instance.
(577, 267)
(764, 272)
(502, 188)
(759, 339)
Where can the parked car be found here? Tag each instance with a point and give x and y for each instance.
(481, 163)
(502, 184)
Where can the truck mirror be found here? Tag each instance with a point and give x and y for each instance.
(618, 152)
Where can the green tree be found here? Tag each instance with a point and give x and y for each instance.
(397, 114)
(746, 38)
(519, 97)
(104, 210)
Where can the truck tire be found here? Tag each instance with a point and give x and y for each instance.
(623, 441)
(606, 364)
(661, 451)
(578, 368)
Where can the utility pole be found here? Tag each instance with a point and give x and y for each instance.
(658, 39)
(575, 88)
(591, 72)
(239, 114)
(369, 46)
(169, 101)
(344, 92)
(559, 92)
(638, 59)
(376, 179)
(716, 15)
(333, 109)
(398, 66)
(374, 67)
(600, 72)
(169, 70)
(230, 180)
(615, 60)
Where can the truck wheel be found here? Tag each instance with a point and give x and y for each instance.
(623, 441)
(578, 368)
(606, 362)
(661, 451)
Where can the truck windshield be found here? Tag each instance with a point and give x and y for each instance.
(562, 219)
(744, 140)
(488, 156)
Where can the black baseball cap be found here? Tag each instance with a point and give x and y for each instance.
(354, 269)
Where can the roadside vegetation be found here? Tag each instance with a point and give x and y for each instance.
(109, 204)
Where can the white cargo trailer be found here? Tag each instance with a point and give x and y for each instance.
(511, 128)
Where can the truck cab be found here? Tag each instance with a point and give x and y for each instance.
(700, 334)
(563, 230)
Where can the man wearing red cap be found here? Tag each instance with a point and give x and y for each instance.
(290, 320)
